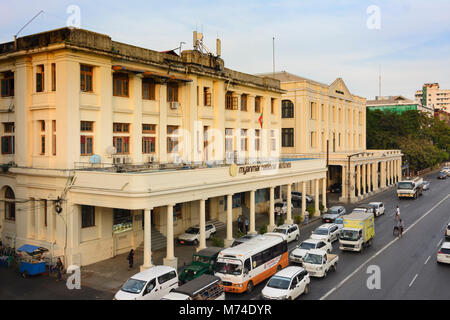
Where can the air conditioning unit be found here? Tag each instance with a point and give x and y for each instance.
(174, 105)
(117, 160)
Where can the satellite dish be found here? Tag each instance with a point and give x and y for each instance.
(111, 150)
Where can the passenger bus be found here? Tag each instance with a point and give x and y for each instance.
(245, 265)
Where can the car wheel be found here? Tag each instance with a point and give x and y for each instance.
(325, 274)
(249, 287)
(335, 267)
(306, 289)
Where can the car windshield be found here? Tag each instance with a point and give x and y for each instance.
(313, 258)
(333, 211)
(283, 231)
(201, 259)
(233, 268)
(321, 231)
(349, 235)
(307, 245)
(236, 243)
(189, 273)
(279, 282)
(133, 286)
(405, 185)
(193, 230)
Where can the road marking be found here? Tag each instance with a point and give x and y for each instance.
(414, 279)
(439, 244)
(380, 251)
(427, 260)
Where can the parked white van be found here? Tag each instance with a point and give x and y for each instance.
(151, 284)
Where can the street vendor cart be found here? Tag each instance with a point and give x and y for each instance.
(32, 263)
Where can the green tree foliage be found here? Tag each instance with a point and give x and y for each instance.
(424, 141)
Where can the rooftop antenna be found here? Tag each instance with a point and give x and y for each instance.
(15, 36)
(273, 56)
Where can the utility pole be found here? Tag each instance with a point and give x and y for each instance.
(273, 56)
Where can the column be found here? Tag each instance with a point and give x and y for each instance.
(375, 176)
(288, 203)
(74, 234)
(202, 244)
(358, 179)
(369, 177)
(383, 174)
(252, 212)
(170, 259)
(303, 197)
(229, 240)
(364, 184)
(344, 183)
(51, 223)
(271, 209)
(316, 197)
(324, 194)
(147, 240)
(352, 182)
(388, 172)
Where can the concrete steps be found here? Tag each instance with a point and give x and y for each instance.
(159, 241)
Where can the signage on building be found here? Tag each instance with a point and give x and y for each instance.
(235, 170)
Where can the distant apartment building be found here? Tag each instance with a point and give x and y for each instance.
(105, 144)
(433, 97)
(328, 122)
(397, 104)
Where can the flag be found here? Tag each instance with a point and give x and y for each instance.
(261, 119)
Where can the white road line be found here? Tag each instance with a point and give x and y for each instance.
(439, 244)
(380, 251)
(414, 279)
(427, 260)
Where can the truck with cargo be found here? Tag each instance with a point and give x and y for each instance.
(318, 263)
(358, 231)
(410, 188)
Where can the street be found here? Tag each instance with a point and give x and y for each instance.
(408, 264)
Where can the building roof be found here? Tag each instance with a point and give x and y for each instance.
(196, 285)
(390, 100)
(284, 76)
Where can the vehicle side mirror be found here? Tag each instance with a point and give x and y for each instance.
(245, 271)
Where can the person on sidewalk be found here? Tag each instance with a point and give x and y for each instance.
(59, 269)
(246, 226)
(130, 259)
(239, 222)
(306, 217)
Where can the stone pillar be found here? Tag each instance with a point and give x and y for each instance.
(375, 176)
(364, 180)
(303, 197)
(369, 177)
(51, 223)
(288, 203)
(229, 240)
(358, 179)
(324, 194)
(202, 244)
(383, 174)
(316, 197)
(170, 259)
(147, 240)
(252, 212)
(352, 182)
(73, 240)
(271, 209)
(344, 183)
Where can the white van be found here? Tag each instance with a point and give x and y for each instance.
(151, 284)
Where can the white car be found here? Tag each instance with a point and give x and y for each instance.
(447, 231)
(151, 284)
(287, 284)
(297, 255)
(443, 255)
(281, 207)
(378, 207)
(328, 232)
(291, 231)
(192, 235)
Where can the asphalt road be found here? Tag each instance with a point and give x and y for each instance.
(407, 265)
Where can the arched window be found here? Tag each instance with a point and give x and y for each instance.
(287, 109)
(10, 206)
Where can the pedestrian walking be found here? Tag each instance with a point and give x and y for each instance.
(239, 222)
(246, 226)
(306, 217)
(59, 269)
(130, 259)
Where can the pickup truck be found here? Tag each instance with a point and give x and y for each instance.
(318, 263)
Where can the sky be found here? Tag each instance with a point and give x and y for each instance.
(409, 41)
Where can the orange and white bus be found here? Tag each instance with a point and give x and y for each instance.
(242, 267)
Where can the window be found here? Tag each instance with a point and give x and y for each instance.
(8, 138)
(172, 92)
(244, 99)
(87, 139)
(54, 137)
(87, 216)
(244, 140)
(10, 205)
(120, 85)
(148, 138)
(40, 78)
(121, 127)
(207, 97)
(313, 139)
(122, 144)
(86, 78)
(313, 110)
(42, 124)
(172, 139)
(272, 105)
(287, 137)
(258, 140)
(166, 277)
(148, 89)
(258, 104)
(53, 76)
(231, 102)
(122, 220)
(287, 109)
(7, 84)
(229, 140)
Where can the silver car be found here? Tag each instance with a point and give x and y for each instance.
(333, 213)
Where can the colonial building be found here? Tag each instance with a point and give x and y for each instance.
(105, 144)
(328, 122)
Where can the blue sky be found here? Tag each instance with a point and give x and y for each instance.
(318, 39)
